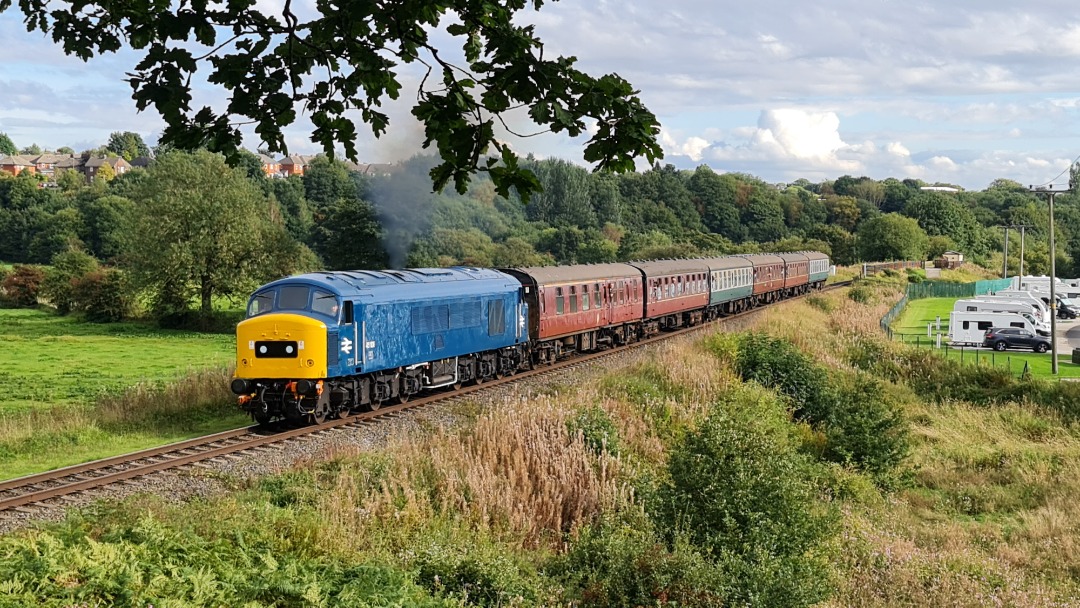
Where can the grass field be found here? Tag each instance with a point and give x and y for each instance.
(50, 360)
(74, 391)
(918, 313)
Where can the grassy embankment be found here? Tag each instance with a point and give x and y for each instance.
(918, 313)
(669, 480)
(74, 391)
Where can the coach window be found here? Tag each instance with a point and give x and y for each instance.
(573, 299)
(559, 301)
(596, 295)
(584, 297)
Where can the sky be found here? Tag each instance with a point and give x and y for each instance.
(959, 92)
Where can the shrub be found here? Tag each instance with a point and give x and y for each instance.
(59, 285)
(597, 430)
(861, 294)
(481, 575)
(22, 285)
(626, 563)
(104, 296)
(866, 426)
(776, 363)
(821, 303)
(740, 491)
(916, 275)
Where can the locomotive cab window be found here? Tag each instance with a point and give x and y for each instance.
(293, 297)
(261, 303)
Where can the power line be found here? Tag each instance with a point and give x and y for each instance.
(1051, 182)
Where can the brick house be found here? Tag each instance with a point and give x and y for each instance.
(293, 165)
(94, 163)
(16, 164)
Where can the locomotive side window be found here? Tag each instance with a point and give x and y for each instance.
(559, 301)
(261, 303)
(293, 297)
(496, 318)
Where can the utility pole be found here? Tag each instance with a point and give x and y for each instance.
(1005, 251)
(1049, 190)
(1022, 252)
(1005, 256)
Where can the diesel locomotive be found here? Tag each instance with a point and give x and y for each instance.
(319, 345)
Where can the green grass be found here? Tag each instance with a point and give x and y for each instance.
(51, 361)
(73, 391)
(912, 324)
(918, 313)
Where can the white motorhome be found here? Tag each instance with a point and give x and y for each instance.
(1024, 309)
(969, 327)
(1009, 295)
(1041, 286)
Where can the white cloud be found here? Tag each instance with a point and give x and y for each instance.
(801, 134)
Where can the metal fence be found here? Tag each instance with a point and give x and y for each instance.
(894, 312)
(940, 289)
(967, 355)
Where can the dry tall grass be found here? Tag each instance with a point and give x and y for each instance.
(518, 471)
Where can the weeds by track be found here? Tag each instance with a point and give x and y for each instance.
(44, 489)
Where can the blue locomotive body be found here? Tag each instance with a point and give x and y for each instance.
(322, 344)
(431, 314)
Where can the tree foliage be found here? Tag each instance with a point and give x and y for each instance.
(346, 59)
(127, 144)
(892, 237)
(6, 145)
(199, 229)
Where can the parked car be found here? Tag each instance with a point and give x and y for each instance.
(1066, 309)
(1000, 338)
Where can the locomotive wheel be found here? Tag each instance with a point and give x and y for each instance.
(261, 418)
(403, 397)
(319, 415)
(374, 405)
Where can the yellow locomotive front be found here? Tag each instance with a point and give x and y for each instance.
(281, 354)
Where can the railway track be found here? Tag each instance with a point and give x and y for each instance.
(52, 488)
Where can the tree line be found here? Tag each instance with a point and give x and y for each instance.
(175, 239)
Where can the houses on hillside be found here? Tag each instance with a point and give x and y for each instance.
(48, 164)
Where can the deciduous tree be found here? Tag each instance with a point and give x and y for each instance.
(892, 237)
(342, 60)
(199, 229)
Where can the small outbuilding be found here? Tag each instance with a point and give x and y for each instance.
(950, 259)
